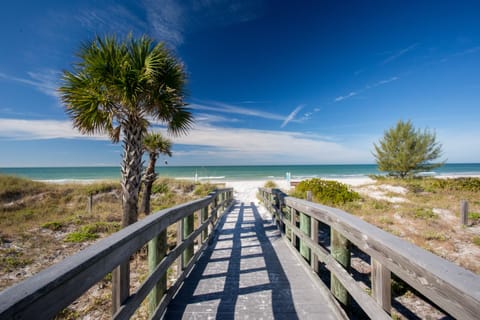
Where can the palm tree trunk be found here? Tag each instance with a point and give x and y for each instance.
(148, 179)
(131, 170)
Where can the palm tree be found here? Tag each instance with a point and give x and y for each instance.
(155, 144)
(118, 88)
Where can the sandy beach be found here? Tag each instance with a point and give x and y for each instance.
(246, 190)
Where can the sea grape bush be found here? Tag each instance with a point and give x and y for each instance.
(326, 192)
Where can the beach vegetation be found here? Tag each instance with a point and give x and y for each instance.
(154, 144)
(53, 225)
(326, 191)
(117, 88)
(404, 151)
(11, 259)
(476, 240)
(91, 231)
(270, 184)
(425, 213)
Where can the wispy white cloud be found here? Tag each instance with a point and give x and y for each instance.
(232, 109)
(265, 146)
(367, 87)
(400, 53)
(467, 51)
(111, 19)
(45, 81)
(351, 94)
(205, 118)
(382, 82)
(171, 20)
(166, 18)
(291, 116)
(20, 129)
(229, 145)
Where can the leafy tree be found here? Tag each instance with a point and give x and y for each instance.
(117, 88)
(404, 150)
(155, 144)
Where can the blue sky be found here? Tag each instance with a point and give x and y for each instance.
(270, 82)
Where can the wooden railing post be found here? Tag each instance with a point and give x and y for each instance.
(187, 230)
(305, 226)
(381, 285)
(157, 249)
(314, 237)
(340, 251)
(293, 214)
(204, 217)
(180, 228)
(120, 285)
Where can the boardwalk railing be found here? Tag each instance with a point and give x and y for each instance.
(453, 289)
(44, 295)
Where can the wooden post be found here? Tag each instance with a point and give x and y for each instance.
(309, 195)
(314, 237)
(305, 226)
(180, 265)
(120, 285)
(464, 212)
(204, 217)
(381, 285)
(340, 251)
(157, 249)
(187, 230)
(90, 203)
(293, 237)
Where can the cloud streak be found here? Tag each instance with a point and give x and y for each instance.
(291, 116)
(20, 129)
(45, 81)
(398, 54)
(367, 87)
(216, 144)
(231, 109)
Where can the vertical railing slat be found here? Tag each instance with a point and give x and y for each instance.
(381, 285)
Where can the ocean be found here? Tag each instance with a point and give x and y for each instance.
(229, 173)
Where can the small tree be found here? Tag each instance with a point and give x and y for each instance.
(404, 150)
(155, 144)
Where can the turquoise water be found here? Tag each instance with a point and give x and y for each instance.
(229, 172)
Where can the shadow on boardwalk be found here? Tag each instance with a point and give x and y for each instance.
(248, 273)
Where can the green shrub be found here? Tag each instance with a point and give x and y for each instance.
(11, 259)
(160, 187)
(102, 187)
(270, 184)
(80, 236)
(54, 225)
(476, 240)
(326, 192)
(203, 189)
(425, 213)
(90, 231)
(473, 216)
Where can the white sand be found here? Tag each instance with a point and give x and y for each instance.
(246, 190)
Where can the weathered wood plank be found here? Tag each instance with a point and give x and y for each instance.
(120, 285)
(381, 285)
(314, 237)
(340, 251)
(305, 227)
(157, 249)
(187, 230)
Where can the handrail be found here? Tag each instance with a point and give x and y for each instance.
(453, 289)
(50, 291)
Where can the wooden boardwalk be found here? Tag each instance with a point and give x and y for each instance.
(249, 272)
